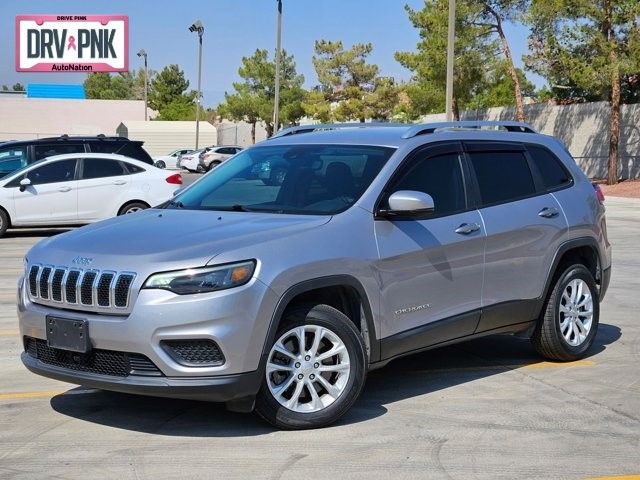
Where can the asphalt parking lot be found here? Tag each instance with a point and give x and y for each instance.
(486, 409)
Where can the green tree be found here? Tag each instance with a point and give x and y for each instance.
(316, 106)
(254, 97)
(241, 106)
(18, 87)
(169, 86)
(474, 50)
(120, 86)
(591, 47)
(345, 80)
(491, 14)
(498, 88)
(384, 100)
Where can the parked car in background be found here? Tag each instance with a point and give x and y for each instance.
(81, 188)
(20, 153)
(170, 160)
(211, 157)
(190, 161)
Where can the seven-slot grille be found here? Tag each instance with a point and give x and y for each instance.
(83, 288)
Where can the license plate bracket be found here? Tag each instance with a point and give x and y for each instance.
(68, 334)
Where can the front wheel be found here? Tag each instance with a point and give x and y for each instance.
(213, 165)
(4, 222)
(570, 319)
(315, 370)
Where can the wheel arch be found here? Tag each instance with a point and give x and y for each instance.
(6, 212)
(583, 250)
(351, 296)
(129, 202)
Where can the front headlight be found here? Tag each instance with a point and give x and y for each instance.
(202, 280)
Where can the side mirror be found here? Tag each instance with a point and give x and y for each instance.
(409, 203)
(24, 183)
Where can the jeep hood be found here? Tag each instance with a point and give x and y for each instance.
(167, 239)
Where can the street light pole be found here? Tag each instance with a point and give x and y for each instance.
(451, 40)
(142, 53)
(276, 107)
(199, 28)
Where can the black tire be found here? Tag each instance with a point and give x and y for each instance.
(161, 164)
(339, 324)
(132, 207)
(213, 165)
(547, 338)
(4, 222)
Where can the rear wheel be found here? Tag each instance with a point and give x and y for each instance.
(161, 164)
(315, 369)
(4, 222)
(571, 316)
(133, 207)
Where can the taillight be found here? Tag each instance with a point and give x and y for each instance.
(175, 179)
(599, 192)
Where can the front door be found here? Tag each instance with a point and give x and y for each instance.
(430, 270)
(51, 198)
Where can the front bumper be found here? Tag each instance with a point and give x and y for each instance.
(223, 388)
(237, 321)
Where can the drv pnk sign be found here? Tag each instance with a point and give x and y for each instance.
(72, 43)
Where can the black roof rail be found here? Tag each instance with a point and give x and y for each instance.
(426, 128)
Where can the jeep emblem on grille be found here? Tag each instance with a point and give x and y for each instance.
(82, 260)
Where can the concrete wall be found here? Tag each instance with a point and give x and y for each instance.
(163, 137)
(25, 118)
(583, 128)
(232, 133)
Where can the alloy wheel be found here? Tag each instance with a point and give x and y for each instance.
(576, 312)
(308, 368)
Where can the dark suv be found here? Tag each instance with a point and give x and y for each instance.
(16, 154)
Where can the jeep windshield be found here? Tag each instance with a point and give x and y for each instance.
(297, 179)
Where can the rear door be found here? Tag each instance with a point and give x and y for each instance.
(430, 269)
(103, 181)
(524, 227)
(52, 196)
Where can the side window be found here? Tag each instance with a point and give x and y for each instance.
(102, 167)
(12, 158)
(43, 151)
(502, 176)
(61, 171)
(440, 177)
(550, 168)
(133, 168)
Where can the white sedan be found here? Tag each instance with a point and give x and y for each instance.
(81, 188)
(170, 161)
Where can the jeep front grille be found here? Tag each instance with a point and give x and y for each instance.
(62, 286)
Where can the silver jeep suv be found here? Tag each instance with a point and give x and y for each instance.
(380, 241)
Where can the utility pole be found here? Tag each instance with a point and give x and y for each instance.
(451, 40)
(142, 53)
(276, 107)
(199, 28)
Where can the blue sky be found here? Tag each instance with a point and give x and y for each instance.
(234, 28)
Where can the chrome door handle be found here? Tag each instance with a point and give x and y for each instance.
(119, 182)
(64, 189)
(548, 212)
(467, 228)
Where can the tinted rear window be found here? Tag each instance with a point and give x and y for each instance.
(502, 176)
(552, 172)
(43, 151)
(126, 148)
(102, 167)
